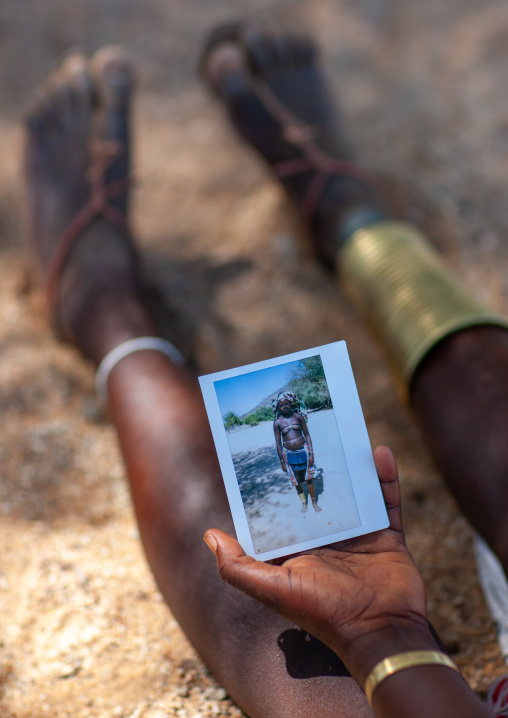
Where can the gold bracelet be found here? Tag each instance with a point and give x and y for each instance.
(406, 294)
(398, 662)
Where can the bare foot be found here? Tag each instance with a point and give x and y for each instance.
(77, 148)
(297, 119)
(304, 508)
(315, 506)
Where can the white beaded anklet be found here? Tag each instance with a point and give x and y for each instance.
(129, 347)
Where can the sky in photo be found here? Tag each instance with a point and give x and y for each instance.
(241, 394)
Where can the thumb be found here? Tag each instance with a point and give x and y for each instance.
(224, 547)
(228, 552)
(236, 568)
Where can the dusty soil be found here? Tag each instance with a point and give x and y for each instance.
(422, 86)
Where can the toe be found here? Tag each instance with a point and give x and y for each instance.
(225, 70)
(274, 50)
(112, 80)
(59, 94)
(59, 97)
(112, 76)
(262, 51)
(65, 94)
(74, 73)
(43, 113)
(34, 116)
(235, 53)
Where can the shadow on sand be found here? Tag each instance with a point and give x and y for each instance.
(259, 475)
(307, 657)
(318, 483)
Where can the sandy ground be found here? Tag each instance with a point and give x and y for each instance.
(421, 84)
(272, 506)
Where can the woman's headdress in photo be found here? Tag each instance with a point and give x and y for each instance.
(296, 404)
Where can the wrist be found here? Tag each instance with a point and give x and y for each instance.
(404, 661)
(362, 653)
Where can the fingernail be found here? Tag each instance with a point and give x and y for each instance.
(211, 542)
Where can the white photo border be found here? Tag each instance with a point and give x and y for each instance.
(353, 432)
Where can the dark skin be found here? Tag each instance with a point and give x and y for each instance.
(294, 438)
(459, 392)
(366, 600)
(101, 303)
(460, 397)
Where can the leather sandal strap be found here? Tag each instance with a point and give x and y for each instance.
(98, 205)
(303, 136)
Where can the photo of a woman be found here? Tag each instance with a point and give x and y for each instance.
(294, 445)
(291, 403)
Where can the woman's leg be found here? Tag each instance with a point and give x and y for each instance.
(267, 665)
(301, 477)
(300, 491)
(459, 389)
(312, 492)
(460, 397)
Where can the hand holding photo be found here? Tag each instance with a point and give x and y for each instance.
(294, 452)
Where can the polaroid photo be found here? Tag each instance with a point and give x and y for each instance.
(294, 452)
